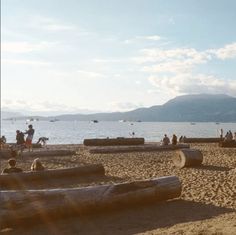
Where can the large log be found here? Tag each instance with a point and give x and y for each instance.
(140, 148)
(228, 144)
(187, 158)
(113, 141)
(19, 179)
(17, 207)
(34, 145)
(4, 153)
(202, 140)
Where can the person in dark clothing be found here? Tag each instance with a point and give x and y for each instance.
(12, 167)
(174, 139)
(20, 138)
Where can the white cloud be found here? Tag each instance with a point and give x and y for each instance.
(24, 47)
(227, 52)
(172, 71)
(143, 38)
(191, 84)
(89, 74)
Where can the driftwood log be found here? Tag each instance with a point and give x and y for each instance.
(19, 179)
(6, 153)
(139, 148)
(228, 144)
(187, 158)
(34, 145)
(34, 206)
(202, 140)
(113, 141)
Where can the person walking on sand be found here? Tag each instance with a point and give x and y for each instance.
(29, 138)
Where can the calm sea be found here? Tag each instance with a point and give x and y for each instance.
(73, 132)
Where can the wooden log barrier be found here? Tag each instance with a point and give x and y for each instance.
(34, 206)
(38, 153)
(34, 145)
(113, 141)
(19, 179)
(228, 144)
(138, 148)
(187, 158)
(202, 140)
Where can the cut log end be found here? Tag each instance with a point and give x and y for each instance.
(187, 158)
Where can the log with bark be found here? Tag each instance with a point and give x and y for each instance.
(7, 153)
(202, 140)
(228, 144)
(35, 206)
(139, 148)
(20, 179)
(187, 158)
(113, 141)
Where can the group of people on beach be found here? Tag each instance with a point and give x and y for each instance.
(36, 166)
(166, 140)
(229, 136)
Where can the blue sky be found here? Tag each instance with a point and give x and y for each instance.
(109, 55)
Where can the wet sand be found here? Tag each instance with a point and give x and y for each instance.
(207, 204)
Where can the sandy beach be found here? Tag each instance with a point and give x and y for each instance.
(207, 204)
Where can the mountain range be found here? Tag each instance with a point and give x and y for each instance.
(187, 108)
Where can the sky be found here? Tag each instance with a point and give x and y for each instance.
(70, 56)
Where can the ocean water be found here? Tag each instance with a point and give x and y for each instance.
(74, 132)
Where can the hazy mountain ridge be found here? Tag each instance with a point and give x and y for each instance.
(188, 108)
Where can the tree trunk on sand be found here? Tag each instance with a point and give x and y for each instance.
(202, 140)
(18, 179)
(17, 207)
(112, 142)
(188, 158)
(39, 153)
(138, 148)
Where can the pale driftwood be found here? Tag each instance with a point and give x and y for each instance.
(202, 140)
(113, 141)
(37, 205)
(187, 158)
(138, 148)
(19, 179)
(38, 153)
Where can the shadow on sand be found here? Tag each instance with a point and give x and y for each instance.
(128, 221)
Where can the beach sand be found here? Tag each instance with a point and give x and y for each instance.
(207, 204)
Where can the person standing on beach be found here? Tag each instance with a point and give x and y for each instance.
(29, 138)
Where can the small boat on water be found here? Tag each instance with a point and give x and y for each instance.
(54, 120)
(193, 123)
(217, 123)
(94, 121)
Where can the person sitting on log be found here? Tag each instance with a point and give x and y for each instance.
(174, 139)
(165, 140)
(12, 167)
(37, 165)
(3, 141)
(43, 140)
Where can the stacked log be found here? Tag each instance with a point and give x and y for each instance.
(139, 148)
(7, 153)
(19, 179)
(17, 207)
(187, 158)
(202, 140)
(113, 141)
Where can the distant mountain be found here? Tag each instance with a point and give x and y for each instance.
(8, 114)
(187, 108)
